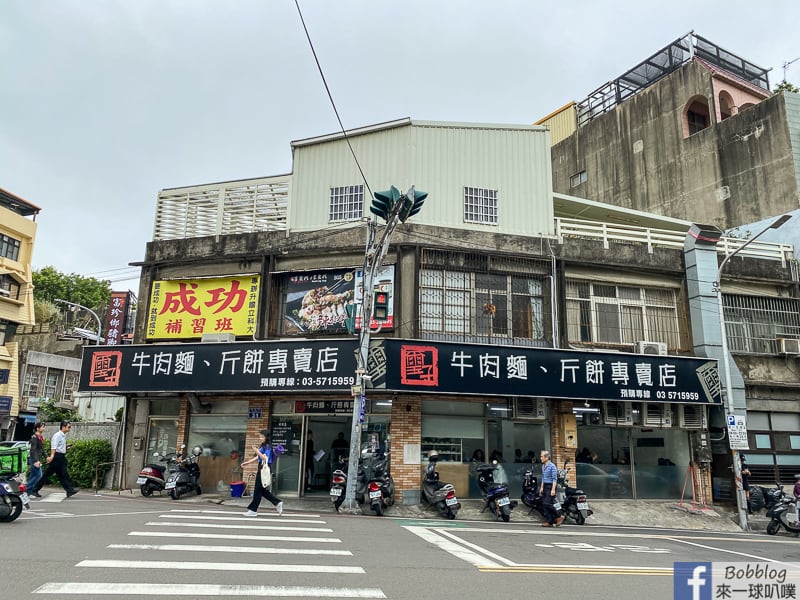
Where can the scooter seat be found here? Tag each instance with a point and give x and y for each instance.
(575, 492)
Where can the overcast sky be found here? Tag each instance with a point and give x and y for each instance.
(105, 102)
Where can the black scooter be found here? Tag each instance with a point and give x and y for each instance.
(380, 487)
(187, 476)
(436, 493)
(573, 501)
(152, 477)
(12, 491)
(779, 515)
(495, 495)
(532, 498)
(339, 484)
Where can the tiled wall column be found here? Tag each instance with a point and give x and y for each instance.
(406, 429)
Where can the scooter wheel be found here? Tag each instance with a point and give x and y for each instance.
(199, 490)
(579, 519)
(338, 502)
(174, 494)
(11, 510)
(146, 490)
(451, 514)
(773, 527)
(378, 508)
(505, 513)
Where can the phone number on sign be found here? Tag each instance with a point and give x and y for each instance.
(309, 381)
(661, 395)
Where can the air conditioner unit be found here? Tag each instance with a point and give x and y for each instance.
(531, 408)
(788, 346)
(213, 338)
(618, 413)
(656, 348)
(692, 416)
(657, 415)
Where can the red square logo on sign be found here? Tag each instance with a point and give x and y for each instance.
(106, 369)
(419, 365)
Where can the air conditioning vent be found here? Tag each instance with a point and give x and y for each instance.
(531, 408)
(657, 415)
(656, 348)
(788, 346)
(692, 416)
(213, 338)
(618, 413)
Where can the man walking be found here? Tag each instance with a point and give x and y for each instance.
(57, 461)
(548, 491)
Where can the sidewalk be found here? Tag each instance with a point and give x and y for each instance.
(640, 513)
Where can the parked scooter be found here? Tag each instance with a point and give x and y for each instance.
(494, 494)
(380, 486)
(779, 515)
(186, 478)
(573, 501)
(12, 491)
(533, 499)
(436, 493)
(152, 477)
(339, 484)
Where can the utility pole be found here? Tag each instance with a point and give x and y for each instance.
(394, 208)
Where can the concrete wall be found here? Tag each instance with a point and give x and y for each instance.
(731, 173)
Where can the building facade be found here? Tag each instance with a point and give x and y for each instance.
(17, 236)
(512, 325)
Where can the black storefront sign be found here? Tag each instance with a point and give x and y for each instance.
(324, 407)
(570, 374)
(300, 366)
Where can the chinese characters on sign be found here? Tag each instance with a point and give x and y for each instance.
(279, 366)
(117, 317)
(503, 370)
(737, 432)
(189, 308)
(729, 581)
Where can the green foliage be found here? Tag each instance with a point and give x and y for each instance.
(83, 457)
(50, 284)
(785, 86)
(119, 413)
(46, 311)
(49, 411)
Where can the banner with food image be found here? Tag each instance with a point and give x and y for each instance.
(315, 301)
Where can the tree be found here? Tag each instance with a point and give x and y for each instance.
(50, 284)
(785, 86)
(49, 411)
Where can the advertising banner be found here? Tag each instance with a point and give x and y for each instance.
(570, 374)
(188, 308)
(315, 301)
(300, 366)
(116, 319)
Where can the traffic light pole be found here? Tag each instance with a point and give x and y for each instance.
(373, 261)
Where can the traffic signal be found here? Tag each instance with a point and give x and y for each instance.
(384, 202)
(412, 203)
(380, 306)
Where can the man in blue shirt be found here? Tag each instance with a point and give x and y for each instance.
(547, 490)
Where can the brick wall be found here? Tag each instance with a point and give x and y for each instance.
(406, 428)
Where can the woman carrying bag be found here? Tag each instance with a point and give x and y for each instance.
(265, 455)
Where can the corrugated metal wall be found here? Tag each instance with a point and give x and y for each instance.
(440, 159)
(562, 123)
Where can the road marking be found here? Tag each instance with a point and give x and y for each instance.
(753, 556)
(223, 536)
(582, 570)
(250, 526)
(228, 512)
(448, 546)
(215, 566)
(173, 589)
(474, 547)
(243, 549)
(243, 518)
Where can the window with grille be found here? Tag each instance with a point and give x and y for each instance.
(346, 203)
(616, 314)
(484, 304)
(52, 384)
(71, 379)
(34, 377)
(480, 206)
(9, 247)
(754, 323)
(9, 287)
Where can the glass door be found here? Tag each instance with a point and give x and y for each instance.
(286, 474)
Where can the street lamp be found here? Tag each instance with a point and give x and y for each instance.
(94, 314)
(741, 502)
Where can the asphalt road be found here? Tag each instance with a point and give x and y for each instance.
(127, 547)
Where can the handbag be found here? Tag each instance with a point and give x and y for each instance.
(266, 475)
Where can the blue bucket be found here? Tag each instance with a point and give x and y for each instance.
(237, 489)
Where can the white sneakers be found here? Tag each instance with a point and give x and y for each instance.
(250, 513)
(279, 508)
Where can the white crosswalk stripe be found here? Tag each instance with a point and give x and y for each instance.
(263, 554)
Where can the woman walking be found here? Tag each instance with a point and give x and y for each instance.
(264, 453)
(35, 458)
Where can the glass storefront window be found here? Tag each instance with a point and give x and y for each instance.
(162, 437)
(222, 438)
(763, 440)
